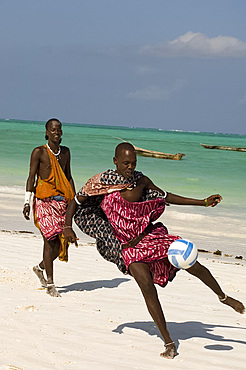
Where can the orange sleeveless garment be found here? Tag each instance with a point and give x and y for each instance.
(56, 184)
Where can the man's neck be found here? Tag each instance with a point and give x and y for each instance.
(54, 146)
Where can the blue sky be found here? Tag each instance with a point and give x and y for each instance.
(169, 64)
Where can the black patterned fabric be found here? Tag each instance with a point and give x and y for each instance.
(91, 219)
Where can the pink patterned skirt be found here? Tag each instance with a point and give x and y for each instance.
(50, 216)
(128, 220)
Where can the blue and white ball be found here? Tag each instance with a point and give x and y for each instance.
(182, 254)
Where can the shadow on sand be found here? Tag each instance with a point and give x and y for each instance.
(92, 285)
(184, 331)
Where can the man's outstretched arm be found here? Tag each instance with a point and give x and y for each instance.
(210, 201)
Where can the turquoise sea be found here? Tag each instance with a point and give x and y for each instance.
(200, 173)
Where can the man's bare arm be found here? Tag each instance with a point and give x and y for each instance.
(68, 170)
(211, 201)
(34, 165)
(71, 182)
(69, 234)
(150, 185)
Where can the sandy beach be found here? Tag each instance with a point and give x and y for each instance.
(101, 320)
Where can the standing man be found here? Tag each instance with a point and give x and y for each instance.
(51, 182)
(124, 231)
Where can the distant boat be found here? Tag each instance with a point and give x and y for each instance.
(236, 149)
(155, 154)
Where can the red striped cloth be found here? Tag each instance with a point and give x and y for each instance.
(50, 215)
(128, 220)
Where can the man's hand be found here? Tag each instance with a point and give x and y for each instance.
(70, 236)
(213, 200)
(26, 211)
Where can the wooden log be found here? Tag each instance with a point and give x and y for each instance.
(155, 154)
(236, 149)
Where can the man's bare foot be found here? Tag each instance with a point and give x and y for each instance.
(51, 290)
(40, 275)
(170, 351)
(236, 305)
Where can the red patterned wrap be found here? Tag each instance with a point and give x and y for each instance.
(128, 220)
(51, 216)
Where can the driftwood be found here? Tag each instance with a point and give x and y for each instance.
(236, 149)
(155, 154)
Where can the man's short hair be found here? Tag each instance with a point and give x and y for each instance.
(123, 146)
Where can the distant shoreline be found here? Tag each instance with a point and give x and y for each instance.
(101, 125)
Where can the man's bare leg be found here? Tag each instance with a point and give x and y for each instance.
(141, 273)
(202, 273)
(50, 253)
(40, 274)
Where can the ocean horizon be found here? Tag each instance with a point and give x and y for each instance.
(15, 120)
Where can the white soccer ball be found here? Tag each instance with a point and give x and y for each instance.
(182, 254)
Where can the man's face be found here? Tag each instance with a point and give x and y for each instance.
(54, 131)
(126, 163)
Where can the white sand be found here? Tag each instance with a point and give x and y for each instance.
(101, 321)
